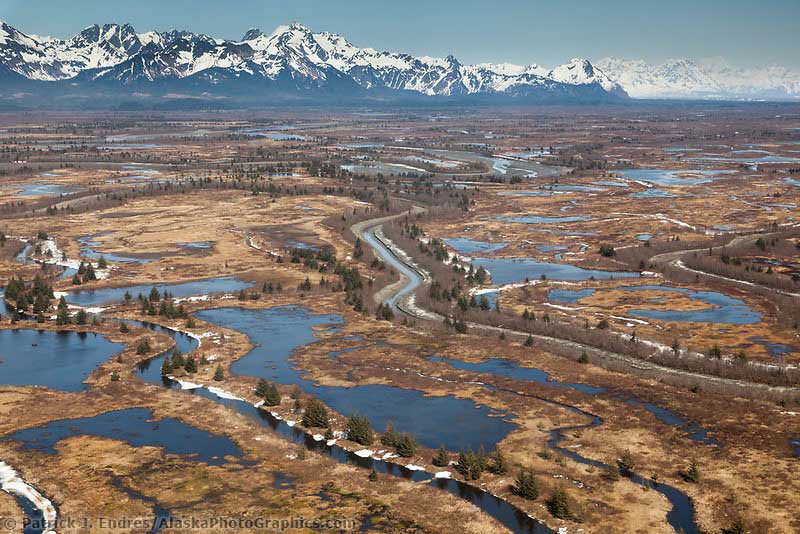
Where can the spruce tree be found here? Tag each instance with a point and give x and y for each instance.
(272, 397)
(143, 347)
(315, 414)
(481, 459)
(191, 365)
(526, 485)
(406, 445)
(62, 317)
(177, 359)
(612, 475)
(389, 437)
(219, 374)
(166, 367)
(626, 463)
(261, 388)
(441, 458)
(499, 463)
(360, 430)
(693, 473)
(558, 504)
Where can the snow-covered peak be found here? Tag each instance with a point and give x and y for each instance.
(506, 69)
(579, 71)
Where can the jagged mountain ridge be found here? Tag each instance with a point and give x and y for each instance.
(292, 57)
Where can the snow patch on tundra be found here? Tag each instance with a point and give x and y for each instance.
(185, 384)
(414, 467)
(222, 394)
(12, 483)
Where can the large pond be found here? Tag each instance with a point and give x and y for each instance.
(277, 332)
(98, 297)
(57, 360)
(510, 270)
(465, 245)
(137, 427)
(722, 308)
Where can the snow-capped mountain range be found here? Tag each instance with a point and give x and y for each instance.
(708, 79)
(115, 62)
(292, 58)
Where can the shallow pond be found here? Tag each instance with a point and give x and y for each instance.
(465, 245)
(56, 360)
(569, 296)
(775, 349)
(97, 297)
(724, 310)
(510, 270)
(137, 427)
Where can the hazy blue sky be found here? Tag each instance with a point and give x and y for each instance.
(518, 31)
